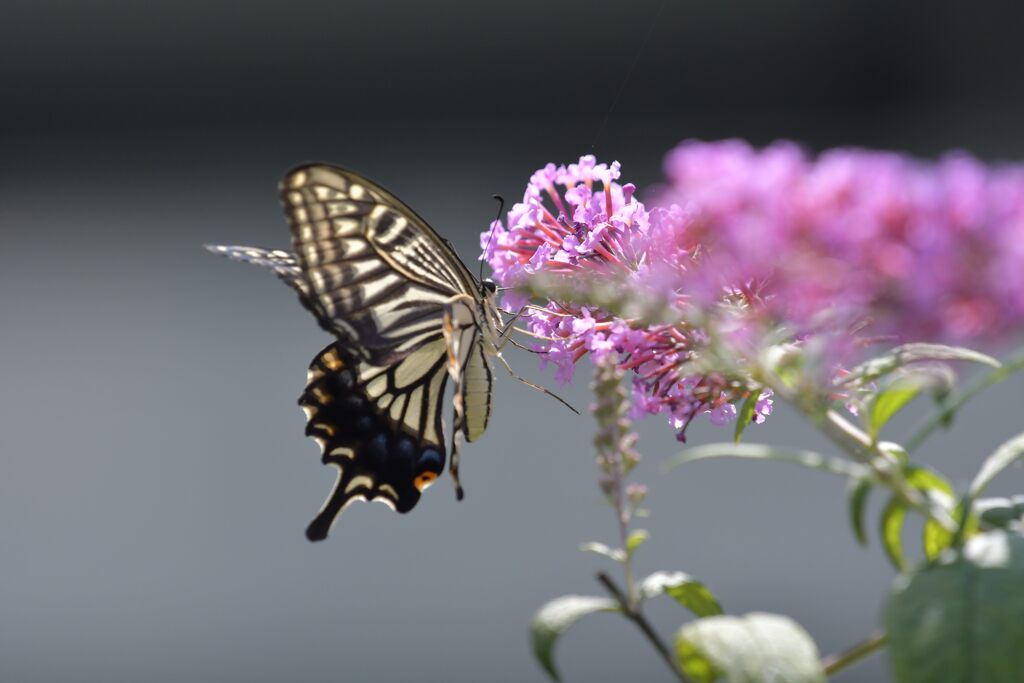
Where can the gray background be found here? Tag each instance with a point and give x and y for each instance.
(155, 482)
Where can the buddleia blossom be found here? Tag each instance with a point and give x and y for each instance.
(578, 221)
(876, 240)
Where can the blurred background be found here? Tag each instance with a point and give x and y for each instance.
(155, 482)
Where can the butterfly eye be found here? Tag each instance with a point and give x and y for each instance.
(424, 480)
(489, 286)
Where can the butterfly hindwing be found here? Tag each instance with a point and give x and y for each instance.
(378, 458)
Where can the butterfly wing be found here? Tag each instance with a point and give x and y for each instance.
(379, 276)
(390, 454)
(406, 313)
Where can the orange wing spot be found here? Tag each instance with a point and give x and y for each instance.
(425, 480)
(322, 396)
(333, 363)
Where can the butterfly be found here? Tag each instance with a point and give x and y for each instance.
(408, 316)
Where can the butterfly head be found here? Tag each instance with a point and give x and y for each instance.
(488, 287)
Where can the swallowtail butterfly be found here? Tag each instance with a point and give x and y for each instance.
(408, 315)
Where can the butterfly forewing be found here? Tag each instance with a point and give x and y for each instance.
(379, 274)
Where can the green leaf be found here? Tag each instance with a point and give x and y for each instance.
(890, 401)
(858, 498)
(935, 537)
(754, 648)
(914, 353)
(961, 619)
(555, 618)
(746, 414)
(891, 530)
(999, 460)
(601, 549)
(810, 459)
(635, 540)
(948, 408)
(1000, 513)
(687, 591)
(930, 482)
(894, 452)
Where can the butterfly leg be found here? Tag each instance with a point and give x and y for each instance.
(505, 333)
(530, 384)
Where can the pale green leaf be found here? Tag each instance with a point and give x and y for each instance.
(684, 589)
(635, 540)
(601, 549)
(961, 619)
(999, 460)
(754, 648)
(761, 452)
(914, 353)
(949, 406)
(555, 618)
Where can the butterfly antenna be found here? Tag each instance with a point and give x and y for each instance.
(490, 237)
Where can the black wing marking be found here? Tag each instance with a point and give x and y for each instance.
(378, 457)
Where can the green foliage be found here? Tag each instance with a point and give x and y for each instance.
(1001, 458)
(890, 528)
(616, 554)
(687, 591)
(859, 490)
(893, 515)
(901, 356)
(555, 618)
(754, 648)
(635, 540)
(961, 619)
(890, 401)
(746, 414)
(1000, 513)
(949, 405)
(810, 459)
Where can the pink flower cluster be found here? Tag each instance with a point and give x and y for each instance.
(854, 240)
(578, 220)
(923, 251)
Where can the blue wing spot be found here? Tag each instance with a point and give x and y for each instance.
(431, 459)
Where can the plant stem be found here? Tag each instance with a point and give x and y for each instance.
(861, 448)
(840, 660)
(634, 614)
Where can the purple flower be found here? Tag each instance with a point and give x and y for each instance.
(763, 407)
(921, 251)
(578, 221)
(722, 414)
(849, 246)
